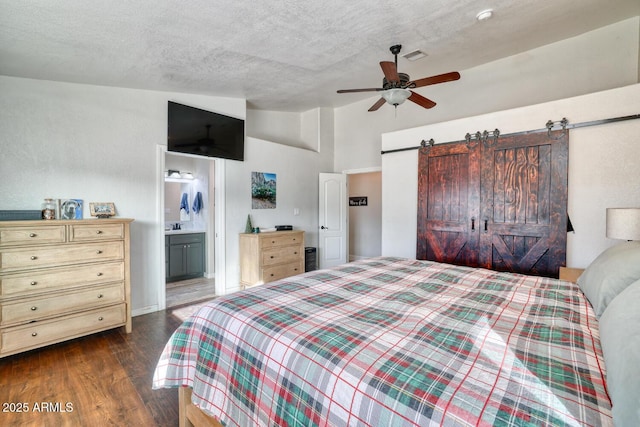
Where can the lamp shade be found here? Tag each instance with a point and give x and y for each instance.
(396, 96)
(623, 223)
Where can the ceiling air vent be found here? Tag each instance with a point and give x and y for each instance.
(415, 55)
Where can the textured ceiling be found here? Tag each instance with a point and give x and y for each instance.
(280, 55)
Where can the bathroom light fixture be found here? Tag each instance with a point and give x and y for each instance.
(396, 96)
(484, 15)
(173, 173)
(186, 175)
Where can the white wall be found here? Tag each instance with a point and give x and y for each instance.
(604, 166)
(294, 129)
(296, 172)
(98, 144)
(365, 222)
(602, 59)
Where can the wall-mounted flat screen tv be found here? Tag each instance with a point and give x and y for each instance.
(204, 133)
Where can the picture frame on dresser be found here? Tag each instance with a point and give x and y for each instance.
(102, 209)
(70, 209)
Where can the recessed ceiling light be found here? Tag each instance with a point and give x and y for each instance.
(484, 15)
(415, 55)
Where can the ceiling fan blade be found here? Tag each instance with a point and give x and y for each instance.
(369, 89)
(440, 78)
(421, 100)
(377, 105)
(390, 71)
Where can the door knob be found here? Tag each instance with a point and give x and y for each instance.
(322, 227)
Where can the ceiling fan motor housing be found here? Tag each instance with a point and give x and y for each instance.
(404, 80)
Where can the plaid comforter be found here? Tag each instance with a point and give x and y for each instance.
(394, 342)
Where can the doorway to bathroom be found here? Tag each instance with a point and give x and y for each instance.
(189, 229)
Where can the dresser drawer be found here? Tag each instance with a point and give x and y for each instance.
(60, 278)
(27, 310)
(282, 240)
(16, 259)
(270, 274)
(278, 255)
(35, 235)
(92, 232)
(25, 337)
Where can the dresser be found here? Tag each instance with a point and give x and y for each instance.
(265, 257)
(62, 279)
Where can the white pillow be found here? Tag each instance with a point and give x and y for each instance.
(620, 340)
(610, 273)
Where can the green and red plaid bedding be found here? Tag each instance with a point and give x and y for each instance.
(394, 342)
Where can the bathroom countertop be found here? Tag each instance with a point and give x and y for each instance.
(183, 231)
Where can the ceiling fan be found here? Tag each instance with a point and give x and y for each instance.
(396, 87)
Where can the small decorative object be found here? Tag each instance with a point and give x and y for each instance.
(358, 201)
(49, 209)
(102, 209)
(248, 228)
(256, 229)
(263, 190)
(71, 209)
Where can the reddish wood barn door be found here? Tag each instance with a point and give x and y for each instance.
(524, 204)
(498, 204)
(448, 209)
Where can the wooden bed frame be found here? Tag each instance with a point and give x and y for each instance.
(191, 415)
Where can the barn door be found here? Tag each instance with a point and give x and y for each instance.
(448, 210)
(523, 204)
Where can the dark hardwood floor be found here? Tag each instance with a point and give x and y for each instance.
(98, 380)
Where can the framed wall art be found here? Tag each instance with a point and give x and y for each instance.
(263, 190)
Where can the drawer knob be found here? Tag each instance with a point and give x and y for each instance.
(33, 283)
(271, 257)
(34, 334)
(98, 251)
(100, 296)
(99, 274)
(271, 274)
(34, 308)
(295, 253)
(32, 234)
(33, 257)
(99, 232)
(100, 319)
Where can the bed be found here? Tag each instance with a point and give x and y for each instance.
(394, 342)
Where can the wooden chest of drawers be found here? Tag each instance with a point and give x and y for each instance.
(266, 257)
(62, 279)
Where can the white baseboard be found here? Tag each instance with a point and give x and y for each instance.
(145, 310)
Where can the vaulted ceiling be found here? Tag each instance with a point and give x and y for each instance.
(288, 55)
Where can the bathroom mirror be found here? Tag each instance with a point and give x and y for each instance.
(174, 193)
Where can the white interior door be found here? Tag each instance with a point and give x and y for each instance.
(332, 220)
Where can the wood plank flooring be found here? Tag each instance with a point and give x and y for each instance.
(189, 291)
(99, 380)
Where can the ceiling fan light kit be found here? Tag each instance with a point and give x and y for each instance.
(396, 87)
(396, 96)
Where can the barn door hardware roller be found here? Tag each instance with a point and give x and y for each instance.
(562, 123)
(473, 140)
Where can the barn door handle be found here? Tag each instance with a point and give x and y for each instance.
(473, 224)
(486, 225)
